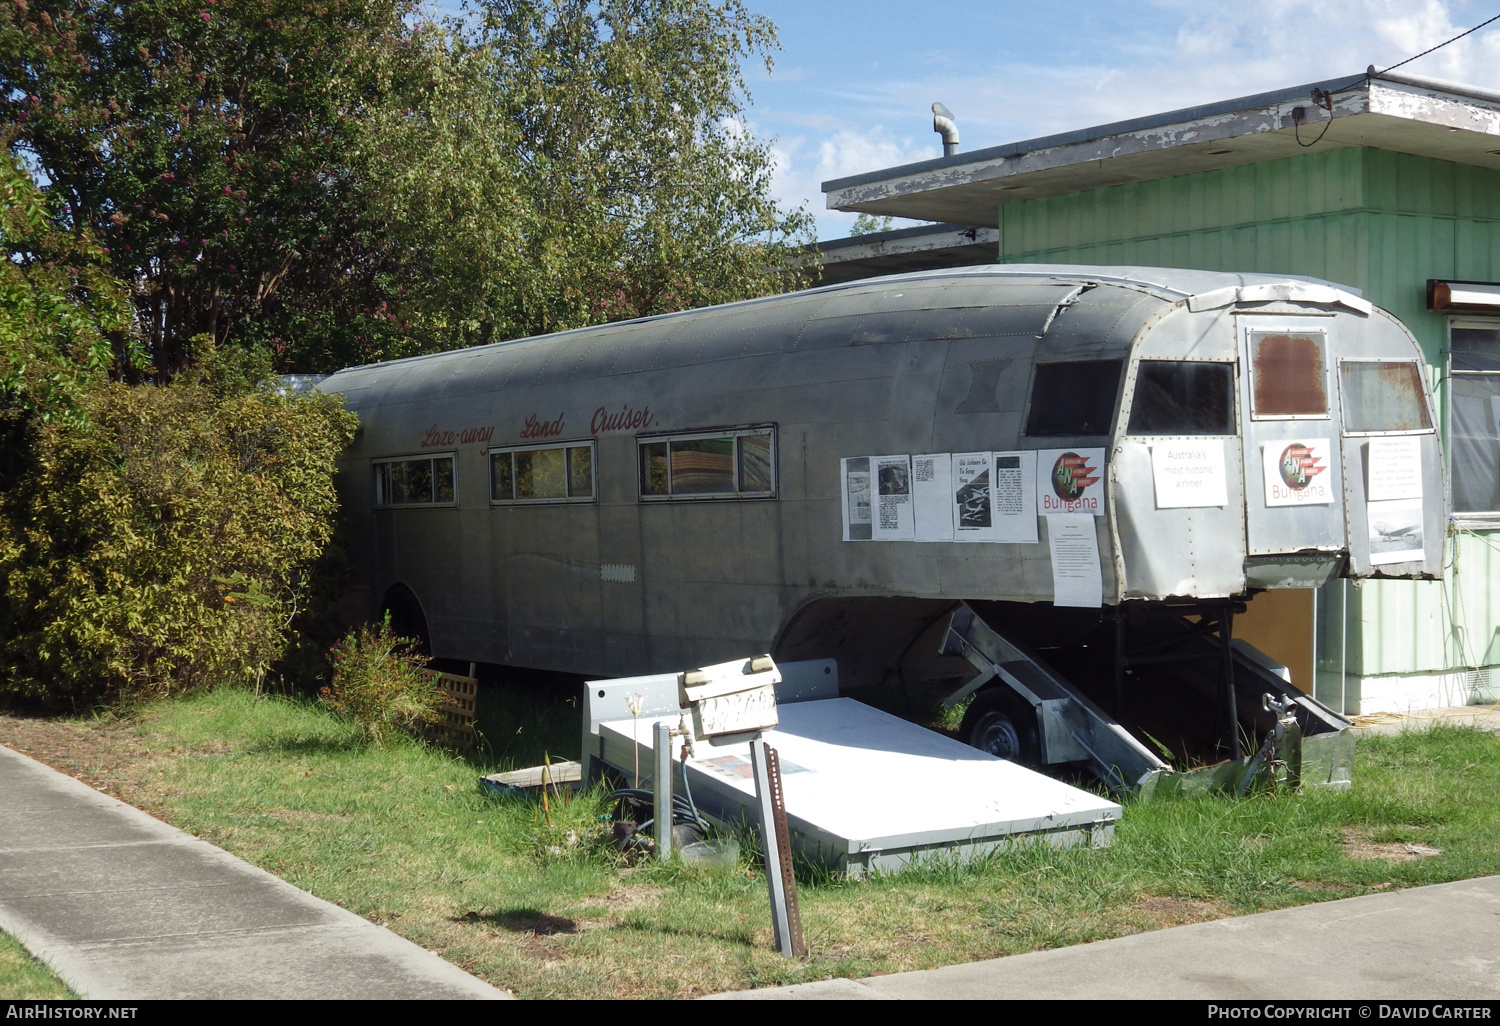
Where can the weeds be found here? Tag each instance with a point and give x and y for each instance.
(378, 681)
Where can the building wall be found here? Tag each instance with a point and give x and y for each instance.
(1381, 221)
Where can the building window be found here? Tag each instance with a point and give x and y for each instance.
(1074, 398)
(1474, 418)
(1173, 398)
(710, 465)
(543, 473)
(414, 481)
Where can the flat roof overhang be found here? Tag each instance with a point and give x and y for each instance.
(920, 248)
(1396, 112)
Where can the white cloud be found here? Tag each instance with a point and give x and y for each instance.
(803, 165)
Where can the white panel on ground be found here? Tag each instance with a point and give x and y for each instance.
(867, 790)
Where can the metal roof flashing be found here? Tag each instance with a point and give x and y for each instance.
(1397, 112)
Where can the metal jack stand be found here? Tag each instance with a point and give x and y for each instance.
(662, 792)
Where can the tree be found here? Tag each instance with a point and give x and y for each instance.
(645, 192)
(203, 143)
(346, 182)
(62, 315)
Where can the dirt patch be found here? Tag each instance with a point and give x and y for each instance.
(1163, 911)
(622, 899)
(1357, 845)
(1322, 886)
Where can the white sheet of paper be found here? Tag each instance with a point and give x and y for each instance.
(1395, 463)
(1076, 577)
(855, 473)
(1189, 474)
(1296, 472)
(1070, 481)
(931, 487)
(894, 519)
(972, 506)
(1395, 531)
(1013, 496)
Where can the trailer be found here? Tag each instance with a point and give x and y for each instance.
(1055, 486)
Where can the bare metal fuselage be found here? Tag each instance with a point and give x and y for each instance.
(939, 362)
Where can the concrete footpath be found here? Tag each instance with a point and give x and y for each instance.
(1438, 942)
(123, 906)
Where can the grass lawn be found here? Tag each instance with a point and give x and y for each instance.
(23, 978)
(403, 837)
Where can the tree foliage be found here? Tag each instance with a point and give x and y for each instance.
(61, 315)
(345, 181)
(162, 541)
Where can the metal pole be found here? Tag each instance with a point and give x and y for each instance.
(1226, 652)
(662, 743)
(780, 925)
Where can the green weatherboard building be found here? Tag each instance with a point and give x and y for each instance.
(1386, 183)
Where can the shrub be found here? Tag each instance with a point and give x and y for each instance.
(379, 681)
(161, 541)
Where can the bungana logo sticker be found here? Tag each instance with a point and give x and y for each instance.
(1071, 474)
(1299, 466)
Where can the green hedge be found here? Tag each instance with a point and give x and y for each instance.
(163, 542)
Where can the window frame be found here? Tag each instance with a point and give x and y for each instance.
(1132, 389)
(1482, 519)
(1251, 374)
(375, 462)
(1122, 365)
(735, 433)
(1421, 367)
(580, 443)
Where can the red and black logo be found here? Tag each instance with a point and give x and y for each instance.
(1299, 466)
(1071, 474)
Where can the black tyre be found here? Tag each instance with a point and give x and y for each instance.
(1001, 723)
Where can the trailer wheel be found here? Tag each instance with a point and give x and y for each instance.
(1000, 723)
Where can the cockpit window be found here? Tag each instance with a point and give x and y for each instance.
(1289, 374)
(1074, 398)
(1174, 398)
(1383, 396)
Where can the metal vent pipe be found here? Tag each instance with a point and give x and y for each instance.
(944, 125)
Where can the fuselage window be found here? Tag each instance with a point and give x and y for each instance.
(1288, 374)
(419, 481)
(717, 465)
(1173, 398)
(1383, 396)
(1474, 419)
(1074, 398)
(543, 473)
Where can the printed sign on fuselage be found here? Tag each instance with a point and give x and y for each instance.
(1296, 472)
(1070, 481)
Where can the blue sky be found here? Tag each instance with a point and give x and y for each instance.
(853, 82)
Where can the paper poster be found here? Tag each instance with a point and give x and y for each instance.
(1070, 481)
(1395, 531)
(894, 515)
(1395, 463)
(1076, 578)
(1189, 474)
(1014, 497)
(973, 510)
(1296, 473)
(931, 486)
(856, 489)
